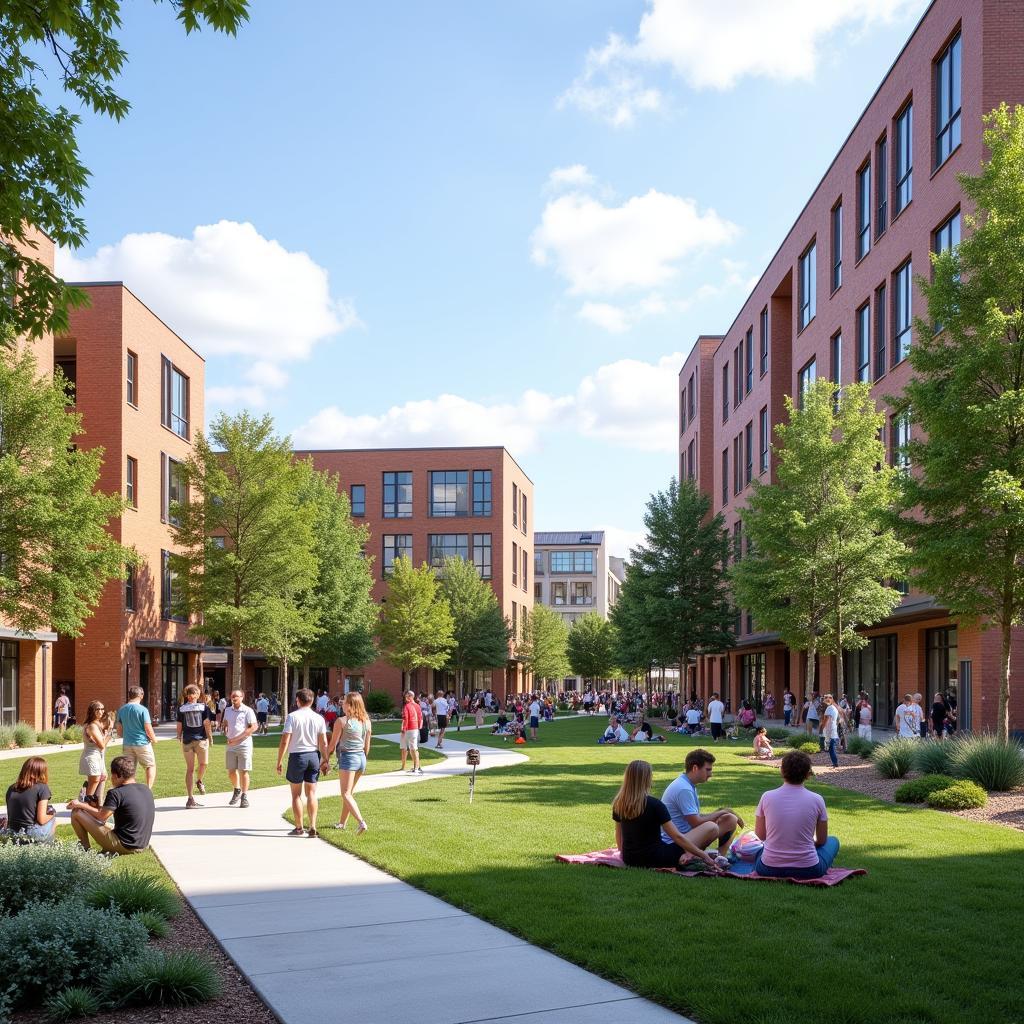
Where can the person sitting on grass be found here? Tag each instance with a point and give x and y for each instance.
(29, 813)
(643, 733)
(762, 745)
(680, 797)
(639, 820)
(614, 733)
(693, 723)
(131, 806)
(793, 824)
(500, 727)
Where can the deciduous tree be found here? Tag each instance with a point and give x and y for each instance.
(591, 647)
(543, 644)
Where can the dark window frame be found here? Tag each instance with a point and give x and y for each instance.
(132, 379)
(903, 159)
(357, 508)
(764, 340)
(948, 90)
(807, 308)
(902, 327)
(391, 482)
(864, 201)
(862, 344)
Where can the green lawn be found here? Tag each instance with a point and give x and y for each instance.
(65, 780)
(931, 934)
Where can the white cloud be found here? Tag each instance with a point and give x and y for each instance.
(603, 249)
(618, 541)
(614, 319)
(262, 377)
(227, 290)
(575, 176)
(714, 45)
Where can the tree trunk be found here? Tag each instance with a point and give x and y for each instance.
(236, 660)
(305, 675)
(840, 681)
(812, 650)
(284, 681)
(1003, 714)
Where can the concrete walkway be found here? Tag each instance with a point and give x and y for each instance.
(324, 936)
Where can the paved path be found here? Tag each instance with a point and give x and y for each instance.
(324, 936)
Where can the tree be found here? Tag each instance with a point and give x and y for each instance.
(55, 552)
(416, 626)
(43, 177)
(963, 506)
(637, 647)
(543, 644)
(819, 552)
(591, 647)
(341, 598)
(480, 632)
(685, 599)
(246, 543)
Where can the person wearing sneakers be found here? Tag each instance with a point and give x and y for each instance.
(412, 722)
(351, 738)
(441, 714)
(304, 736)
(262, 711)
(239, 723)
(195, 732)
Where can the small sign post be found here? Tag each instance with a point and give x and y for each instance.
(472, 759)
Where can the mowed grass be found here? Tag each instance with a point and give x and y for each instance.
(931, 934)
(65, 780)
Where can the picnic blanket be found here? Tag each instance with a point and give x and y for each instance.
(611, 858)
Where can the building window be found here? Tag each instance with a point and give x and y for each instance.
(522, 498)
(725, 393)
(398, 495)
(749, 356)
(836, 376)
(902, 313)
(9, 706)
(691, 460)
(515, 504)
(737, 464)
(864, 211)
(538, 562)
(447, 545)
(515, 621)
(577, 562)
(582, 593)
(881, 186)
(748, 451)
(863, 372)
(168, 589)
(131, 474)
(174, 398)
(737, 375)
(904, 158)
(725, 475)
(395, 546)
(881, 313)
(837, 245)
(482, 554)
(762, 431)
(515, 562)
(764, 341)
(691, 397)
(525, 555)
(129, 589)
(737, 540)
(808, 285)
(481, 492)
(947, 101)
(538, 593)
(357, 499)
(132, 381)
(899, 431)
(172, 487)
(948, 234)
(449, 493)
(558, 593)
(808, 375)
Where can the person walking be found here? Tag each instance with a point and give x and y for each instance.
(830, 728)
(351, 737)
(716, 716)
(239, 723)
(136, 728)
(865, 715)
(441, 713)
(787, 706)
(61, 711)
(262, 713)
(94, 742)
(304, 736)
(195, 733)
(412, 721)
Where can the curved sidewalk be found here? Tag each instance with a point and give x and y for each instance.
(324, 936)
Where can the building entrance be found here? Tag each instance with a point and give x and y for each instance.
(873, 669)
(8, 682)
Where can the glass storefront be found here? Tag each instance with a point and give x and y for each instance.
(8, 682)
(753, 672)
(941, 666)
(173, 683)
(873, 669)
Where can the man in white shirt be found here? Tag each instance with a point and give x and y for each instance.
(534, 716)
(262, 713)
(830, 728)
(693, 720)
(716, 716)
(441, 714)
(239, 723)
(321, 702)
(908, 718)
(614, 733)
(304, 735)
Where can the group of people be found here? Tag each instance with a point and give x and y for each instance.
(673, 832)
(641, 733)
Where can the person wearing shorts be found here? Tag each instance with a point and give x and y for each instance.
(441, 714)
(716, 716)
(239, 723)
(61, 710)
(534, 716)
(136, 728)
(351, 738)
(131, 807)
(304, 737)
(262, 713)
(412, 721)
(195, 732)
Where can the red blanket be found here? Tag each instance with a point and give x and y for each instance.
(611, 858)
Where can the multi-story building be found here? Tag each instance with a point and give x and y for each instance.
(574, 574)
(838, 299)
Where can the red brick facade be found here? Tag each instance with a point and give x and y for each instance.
(991, 35)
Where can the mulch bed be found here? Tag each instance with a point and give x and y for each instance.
(237, 1002)
(859, 775)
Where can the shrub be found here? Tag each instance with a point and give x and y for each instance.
(917, 791)
(809, 748)
(72, 1003)
(776, 732)
(983, 759)
(960, 796)
(562, 706)
(73, 734)
(24, 735)
(49, 737)
(154, 923)
(932, 757)
(158, 979)
(894, 759)
(855, 745)
(38, 872)
(379, 703)
(6, 737)
(132, 892)
(798, 739)
(51, 946)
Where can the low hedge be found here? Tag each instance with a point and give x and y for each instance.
(37, 872)
(917, 791)
(961, 796)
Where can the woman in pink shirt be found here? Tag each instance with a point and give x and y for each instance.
(793, 824)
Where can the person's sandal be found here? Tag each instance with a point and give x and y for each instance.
(297, 832)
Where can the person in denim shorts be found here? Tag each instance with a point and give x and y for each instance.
(351, 738)
(304, 736)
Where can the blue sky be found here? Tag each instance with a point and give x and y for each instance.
(473, 223)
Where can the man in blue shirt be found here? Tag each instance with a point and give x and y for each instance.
(135, 725)
(680, 797)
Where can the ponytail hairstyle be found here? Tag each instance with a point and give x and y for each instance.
(632, 795)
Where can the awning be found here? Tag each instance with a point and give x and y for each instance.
(7, 633)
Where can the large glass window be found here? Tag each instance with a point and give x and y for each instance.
(173, 488)
(558, 593)
(881, 314)
(691, 459)
(837, 245)
(863, 343)
(481, 492)
(863, 211)
(902, 312)
(515, 504)
(904, 157)
(394, 546)
(899, 431)
(538, 562)
(808, 285)
(482, 554)
(8, 682)
(947, 101)
(174, 398)
(948, 234)
(941, 665)
(808, 375)
(169, 589)
(691, 398)
(748, 451)
(764, 341)
(763, 439)
(357, 499)
(749, 359)
(447, 545)
(572, 562)
(737, 377)
(725, 475)
(881, 186)
(753, 676)
(398, 495)
(725, 392)
(873, 669)
(737, 464)
(449, 492)
(582, 593)
(129, 589)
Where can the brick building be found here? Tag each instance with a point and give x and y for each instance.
(838, 299)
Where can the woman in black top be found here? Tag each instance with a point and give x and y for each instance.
(28, 802)
(639, 819)
(939, 710)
